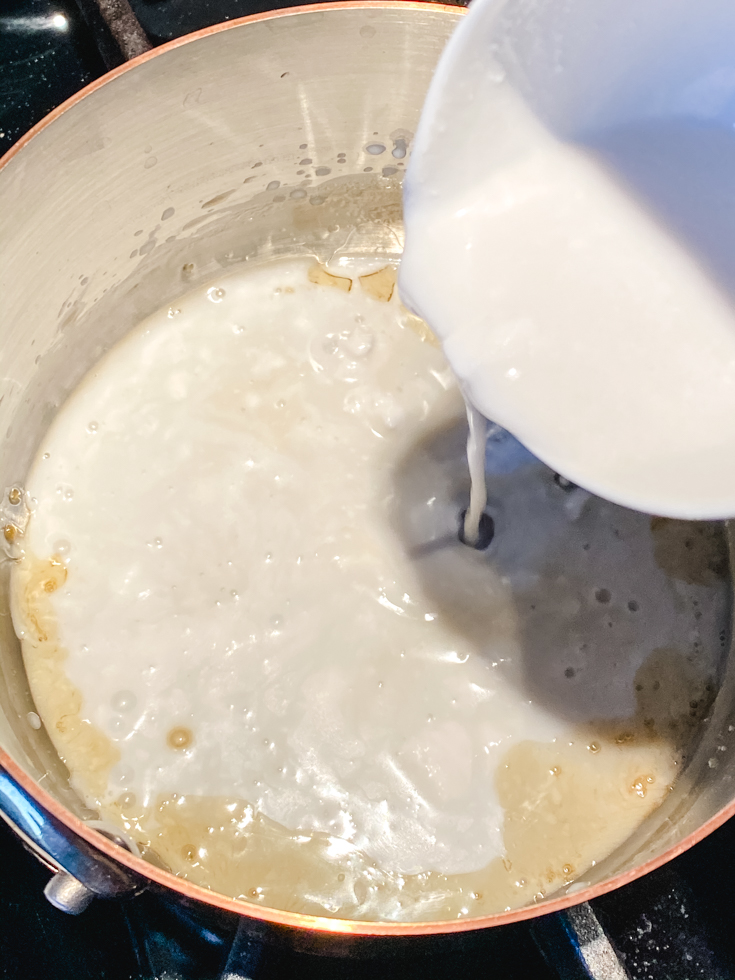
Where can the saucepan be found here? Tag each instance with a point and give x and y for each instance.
(289, 130)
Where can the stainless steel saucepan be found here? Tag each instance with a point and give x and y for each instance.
(282, 132)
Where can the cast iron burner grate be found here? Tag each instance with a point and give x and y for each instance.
(675, 924)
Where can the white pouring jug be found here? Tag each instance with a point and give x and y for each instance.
(570, 237)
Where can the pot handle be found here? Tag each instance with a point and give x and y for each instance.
(81, 872)
(117, 31)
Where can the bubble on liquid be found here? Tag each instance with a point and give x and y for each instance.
(126, 800)
(172, 312)
(375, 149)
(593, 747)
(639, 787)
(118, 725)
(15, 495)
(330, 345)
(62, 548)
(123, 701)
(215, 294)
(33, 720)
(121, 774)
(359, 342)
(400, 148)
(92, 426)
(180, 738)
(273, 186)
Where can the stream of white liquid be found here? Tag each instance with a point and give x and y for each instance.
(476, 445)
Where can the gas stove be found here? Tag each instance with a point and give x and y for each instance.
(675, 924)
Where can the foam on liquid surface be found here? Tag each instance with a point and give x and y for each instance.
(258, 645)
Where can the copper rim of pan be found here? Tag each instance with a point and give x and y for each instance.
(188, 890)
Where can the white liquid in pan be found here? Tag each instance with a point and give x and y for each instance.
(253, 636)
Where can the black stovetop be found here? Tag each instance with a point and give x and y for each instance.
(49, 49)
(676, 924)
